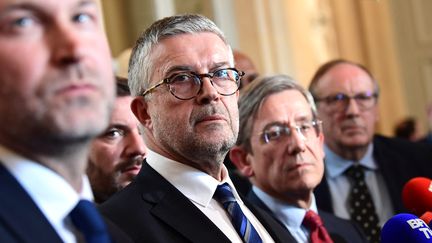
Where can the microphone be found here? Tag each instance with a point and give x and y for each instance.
(403, 228)
(417, 197)
(427, 217)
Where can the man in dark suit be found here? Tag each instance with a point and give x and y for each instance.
(57, 89)
(280, 149)
(346, 94)
(182, 72)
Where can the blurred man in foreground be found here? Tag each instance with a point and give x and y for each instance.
(57, 91)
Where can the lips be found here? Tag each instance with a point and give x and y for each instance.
(352, 128)
(298, 165)
(76, 89)
(212, 118)
(131, 171)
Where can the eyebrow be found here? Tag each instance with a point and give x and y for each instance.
(186, 68)
(301, 118)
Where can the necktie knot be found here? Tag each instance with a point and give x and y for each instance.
(355, 172)
(89, 222)
(312, 220)
(224, 194)
(318, 233)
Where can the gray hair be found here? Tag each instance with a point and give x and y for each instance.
(253, 96)
(140, 63)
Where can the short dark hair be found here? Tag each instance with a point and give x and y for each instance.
(323, 69)
(122, 87)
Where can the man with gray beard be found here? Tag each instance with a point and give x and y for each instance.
(182, 74)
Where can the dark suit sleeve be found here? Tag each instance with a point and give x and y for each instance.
(399, 161)
(117, 235)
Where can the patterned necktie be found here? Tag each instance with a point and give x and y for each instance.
(362, 209)
(245, 229)
(88, 221)
(318, 233)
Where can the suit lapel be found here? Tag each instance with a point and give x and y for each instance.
(176, 210)
(274, 227)
(20, 215)
(388, 166)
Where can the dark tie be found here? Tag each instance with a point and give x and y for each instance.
(244, 228)
(88, 221)
(362, 209)
(318, 233)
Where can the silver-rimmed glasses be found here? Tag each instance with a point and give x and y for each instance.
(307, 130)
(187, 85)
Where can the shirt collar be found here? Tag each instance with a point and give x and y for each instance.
(288, 214)
(54, 196)
(195, 184)
(336, 165)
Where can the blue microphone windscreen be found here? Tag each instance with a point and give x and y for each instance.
(404, 228)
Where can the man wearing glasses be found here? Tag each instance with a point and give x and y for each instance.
(280, 149)
(181, 72)
(365, 173)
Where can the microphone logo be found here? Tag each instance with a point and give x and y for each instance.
(420, 225)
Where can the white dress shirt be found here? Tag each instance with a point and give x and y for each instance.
(51, 193)
(199, 187)
(340, 185)
(291, 216)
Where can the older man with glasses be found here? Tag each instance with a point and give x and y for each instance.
(365, 173)
(182, 74)
(280, 149)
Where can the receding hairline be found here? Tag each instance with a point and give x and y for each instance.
(326, 68)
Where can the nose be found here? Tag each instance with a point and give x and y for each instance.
(135, 145)
(297, 143)
(67, 45)
(208, 92)
(352, 107)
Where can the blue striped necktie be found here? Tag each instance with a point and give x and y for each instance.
(245, 229)
(88, 221)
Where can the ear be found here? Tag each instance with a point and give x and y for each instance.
(240, 159)
(140, 109)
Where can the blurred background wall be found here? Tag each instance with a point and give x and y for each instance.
(393, 38)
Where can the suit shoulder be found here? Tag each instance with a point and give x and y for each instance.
(342, 230)
(397, 143)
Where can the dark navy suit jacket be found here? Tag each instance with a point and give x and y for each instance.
(22, 221)
(340, 230)
(398, 160)
(150, 209)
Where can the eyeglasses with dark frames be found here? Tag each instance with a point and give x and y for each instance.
(307, 130)
(187, 85)
(340, 101)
